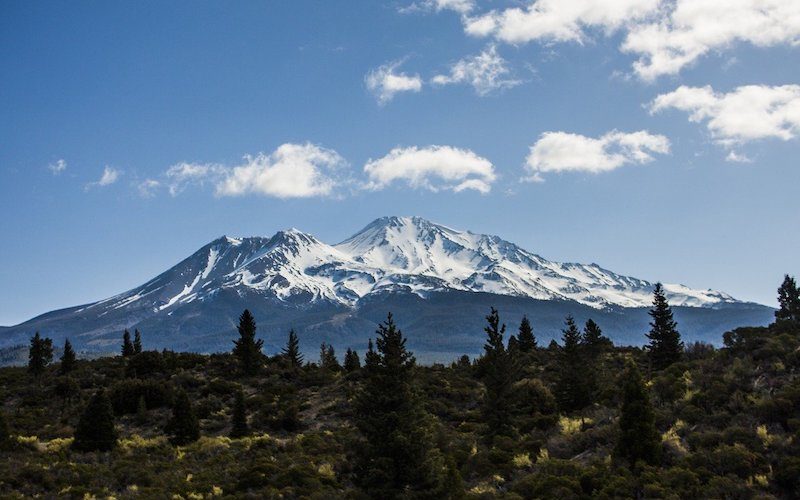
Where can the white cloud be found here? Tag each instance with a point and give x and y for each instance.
(460, 6)
(59, 166)
(558, 20)
(110, 176)
(486, 72)
(689, 29)
(384, 82)
(735, 157)
(667, 35)
(747, 113)
(147, 188)
(183, 174)
(433, 167)
(565, 152)
(291, 171)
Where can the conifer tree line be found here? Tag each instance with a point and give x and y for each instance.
(398, 454)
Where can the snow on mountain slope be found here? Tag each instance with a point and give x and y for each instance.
(391, 254)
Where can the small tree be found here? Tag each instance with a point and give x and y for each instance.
(525, 338)
(137, 342)
(638, 439)
(40, 354)
(239, 426)
(127, 345)
(498, 374)
(575, 382)
(594, 342)
(788, 301)
(292, 350)
(67, 359)
(351, 361)
(183, 428)
(327, 358)
(665, 345)
(95, 431)
(247, 349)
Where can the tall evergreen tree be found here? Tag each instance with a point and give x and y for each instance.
(788, 301)
(40, 354)
(594, 342)
(575, 383)
(351, 361)
(498, 372)
(292, 350)
(183, 428)
(397, 459)
(127, 345)
(137, 342)
(239, 427)
(247, 349)
(95, 430)
(67, 359)
(665, 345)
(525, 337)
(638, 439)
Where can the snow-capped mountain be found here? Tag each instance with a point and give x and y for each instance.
(394, 263)
(397, 254)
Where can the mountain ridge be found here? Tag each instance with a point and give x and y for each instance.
(292, 273)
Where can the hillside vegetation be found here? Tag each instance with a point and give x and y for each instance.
(577, 419)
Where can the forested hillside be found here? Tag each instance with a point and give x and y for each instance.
(576, 419)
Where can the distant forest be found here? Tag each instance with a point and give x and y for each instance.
(577, 419)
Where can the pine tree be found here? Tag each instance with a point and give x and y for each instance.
(397, 458)
(788, 301)
(665, 342)
(127, 345)
(638, 439)
(67, 359)
(183, 428)
(292, 350)
(239, 426)
(327, 358)
(525, 337)
(351, 361)
(247, 349)
(594, 342)
(498, 373)
(137, 342)
(575, 383)
(40, 354)
(95, 430)
(513, 345)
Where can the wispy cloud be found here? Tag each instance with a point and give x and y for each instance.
(58, 166)
(385, 82)
(110, 176)
(460, 6)
(434, 168)
(486, 72)
(148, 187)
(566, 152)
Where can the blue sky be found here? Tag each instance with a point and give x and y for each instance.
(131, 134)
